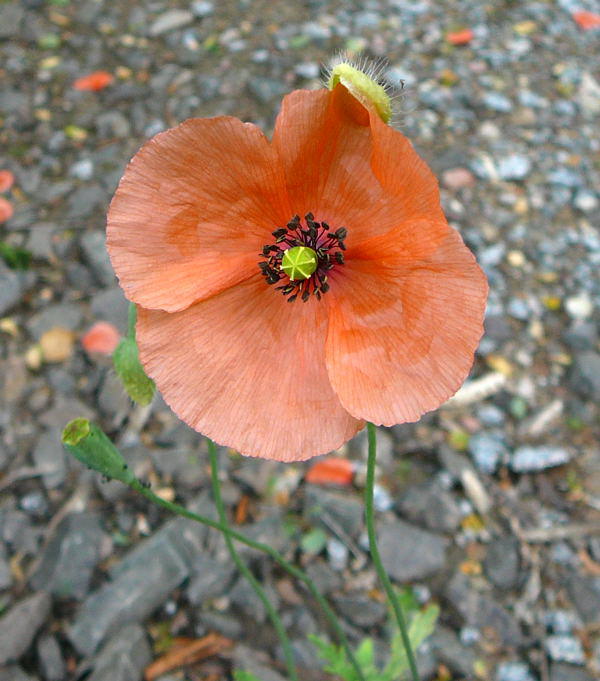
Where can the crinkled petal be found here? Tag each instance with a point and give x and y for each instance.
(404, 324)
(349, 168)
(193, 210)
(247, 369)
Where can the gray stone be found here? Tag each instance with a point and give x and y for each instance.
(164, 560)
(69, 559)
(488, 449)
(13, 672)
(585, 200)
(563, 648)
(254, 662)
(559, 671)
(265, 89)
(246, 599)
(65, 315)
(83, 202)
(514, 167)
(397, 542)
(325, 578)
(333, 510)
(502, 562)
(111, 124)
(361, 611)
(585, 375)
(497, 102)
(431, 505)
(450, 651)
(202, 8)
(18, 532)
(11, 16)
(581, 335)
(212, 579)
(479, 611)
(11, 287)
(51, 663)
(110, 305)
(93, 249)
(528, 459)
(39, 242)
(514, 671)
(112, 398)
(585, 594)
(5, 572)
(124, 657)
(170, 21)
(49, 455)
(20, 624)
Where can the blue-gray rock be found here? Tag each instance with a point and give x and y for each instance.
(5, 571)
(68, 561)
(563, 648)
(65, 315)
(124, 657)
(565, 177)
(586, 201)
(202, 8)
(514, 167)
(49, 455)
(11, 16)
(334, 508)
(559, 671)
(93, 250)
(361, 611)
(449, 650)
(397, 542)
(480, 611)
(585, 594)
(497, 102)
(528, 459)
(111, 306)
(20, 624)
(585, 375)
(502, 562)
(514, 671)
(212, 578)
(11, 288)
(431, 505)
(13, 672)
(170, 21)
(266, 89)
(83, 202)
(561, 621)
(50, 659)
(140, 583)
(488, 449)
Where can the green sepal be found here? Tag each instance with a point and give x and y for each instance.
(88, 443)
(127, 364)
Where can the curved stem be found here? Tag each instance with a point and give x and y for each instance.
(245, 570)
(381, 573)
(291, 569)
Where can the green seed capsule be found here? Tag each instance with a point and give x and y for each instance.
(299, 262)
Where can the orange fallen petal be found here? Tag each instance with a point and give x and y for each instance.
(7, 180)
(587, 20)
(94, 82)
(6, 210)
(102, 337)
(460, 37)
(331, 471)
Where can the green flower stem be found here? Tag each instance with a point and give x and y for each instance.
(291, 569)
(243, 568)
(382, 574)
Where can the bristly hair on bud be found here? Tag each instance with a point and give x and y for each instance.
(366, 79)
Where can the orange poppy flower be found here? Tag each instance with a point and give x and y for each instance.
(385, 327)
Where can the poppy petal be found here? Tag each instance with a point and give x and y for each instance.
(193, 210)
(247, 369)
(403, 328)
(348, 167)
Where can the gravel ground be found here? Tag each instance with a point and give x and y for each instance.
(490, 507)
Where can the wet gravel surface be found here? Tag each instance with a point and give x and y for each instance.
(490, 507)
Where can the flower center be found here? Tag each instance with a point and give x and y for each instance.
(302, 257)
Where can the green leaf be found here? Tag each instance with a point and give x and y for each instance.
(92, 447)
(15, 257)
(314, 542)
(239, 675)
(421, 626)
